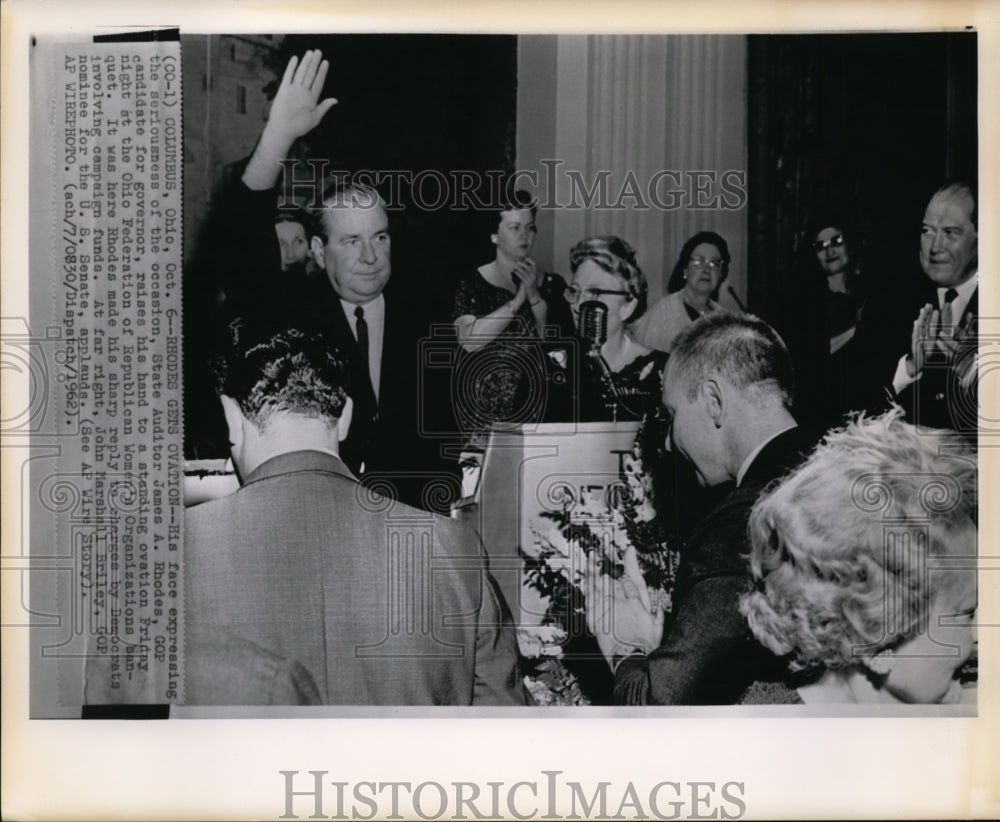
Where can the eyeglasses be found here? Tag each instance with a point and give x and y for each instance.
(823, 245)
(701, 262)
(574, 292)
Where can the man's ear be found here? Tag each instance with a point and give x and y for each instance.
(344, 423)
(234, 422)
(714, 399)
(318, 250)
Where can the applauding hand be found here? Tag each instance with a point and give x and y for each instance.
(931, 335)
(525, 274)
(619, 614)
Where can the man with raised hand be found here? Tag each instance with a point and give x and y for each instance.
(378, 334)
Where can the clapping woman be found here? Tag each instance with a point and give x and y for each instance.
(499, 309)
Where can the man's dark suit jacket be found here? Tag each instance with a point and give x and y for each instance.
(381, 603)
(937, 399)
(396, 438)
(708, 655)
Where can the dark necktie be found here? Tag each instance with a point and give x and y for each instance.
(362, 328)
(947, 319)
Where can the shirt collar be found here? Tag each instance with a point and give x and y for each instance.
(303, 459)
(373, 310)
(965, 290)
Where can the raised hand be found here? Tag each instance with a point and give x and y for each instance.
(952, 340)
(619, 615)
(929, 334)
(525, 273)
(296, 109)
(294, 112)
(520, 294)
(925, 329)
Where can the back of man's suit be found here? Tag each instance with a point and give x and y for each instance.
(382, 604)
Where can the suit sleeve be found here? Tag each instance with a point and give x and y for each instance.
(700, 658)
(707, 655)
(243, 250)
(498, 678)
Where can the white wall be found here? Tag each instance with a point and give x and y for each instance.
(633, 107)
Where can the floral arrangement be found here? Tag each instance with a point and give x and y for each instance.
(617, 533)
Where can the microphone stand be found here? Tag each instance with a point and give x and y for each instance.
(594, 327)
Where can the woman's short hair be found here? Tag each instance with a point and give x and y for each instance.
(295, 214)
(677, 275)
(841, 548)
(617, 257)
(519, 200)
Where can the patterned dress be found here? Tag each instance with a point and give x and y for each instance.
(500, 382)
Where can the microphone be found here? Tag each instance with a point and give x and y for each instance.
(594, 323)
(594, 328)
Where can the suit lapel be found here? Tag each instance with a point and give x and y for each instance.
(393, 355)
(973, 305)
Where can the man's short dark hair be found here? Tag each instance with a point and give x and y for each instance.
(338, 193)
(267, 366)
(740, 347)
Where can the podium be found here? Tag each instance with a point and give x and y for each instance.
(530, 470)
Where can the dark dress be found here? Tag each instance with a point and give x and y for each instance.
(505, 381)
(492, 381)
(633, 393)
